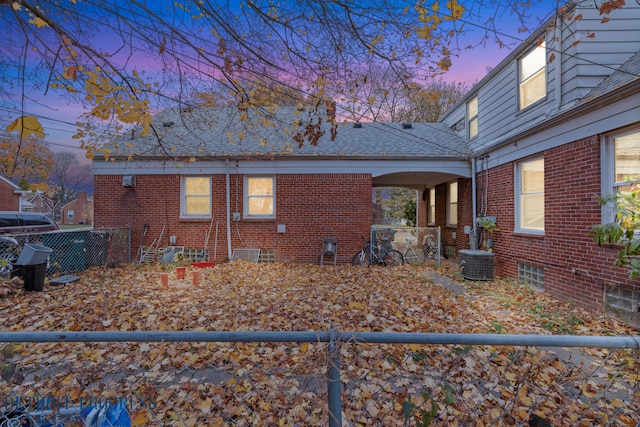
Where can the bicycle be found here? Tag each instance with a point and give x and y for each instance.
(409, 253)
(369, 255)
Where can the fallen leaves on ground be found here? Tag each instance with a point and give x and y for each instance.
(284, 383)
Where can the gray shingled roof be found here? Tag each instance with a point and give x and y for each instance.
(204, 132)
(625, 74)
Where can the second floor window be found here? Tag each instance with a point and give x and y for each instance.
(472, 117)
(532, 78)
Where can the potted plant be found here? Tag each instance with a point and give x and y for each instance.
(488, 224)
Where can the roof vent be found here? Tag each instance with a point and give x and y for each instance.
(357, 125)
(407, 126)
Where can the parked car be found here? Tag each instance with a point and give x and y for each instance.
(25, 222)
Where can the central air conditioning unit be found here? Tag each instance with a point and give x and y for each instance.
(476, 265)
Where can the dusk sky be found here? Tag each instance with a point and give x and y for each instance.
(57, 115)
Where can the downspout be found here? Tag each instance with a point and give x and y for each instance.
(228, 195)
(474, 231)
(417, 224)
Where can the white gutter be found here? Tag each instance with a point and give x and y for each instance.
(227, 178)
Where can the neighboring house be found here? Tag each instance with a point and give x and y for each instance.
(10, 195)
(553, 126)
(78, 211)
(257, 194)
(40, 203)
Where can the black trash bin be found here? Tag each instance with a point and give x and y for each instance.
(32, 266)
(33, 276)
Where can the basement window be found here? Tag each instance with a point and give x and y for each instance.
(623, 298)
(267, 255)
(531, 275)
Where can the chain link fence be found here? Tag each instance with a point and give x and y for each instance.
(321, 378)
(416, 244)
(73, 251)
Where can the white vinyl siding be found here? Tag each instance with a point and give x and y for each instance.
(529, 192)
(195, 197)
(532, 76)
(260, 201)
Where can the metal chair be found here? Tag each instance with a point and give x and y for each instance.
(329, 248)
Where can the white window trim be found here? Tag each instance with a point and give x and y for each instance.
(183, 205)
(517, 193)
(70, 214)
(520, 81)
(246, 197)
(449, 223)
(607, 180)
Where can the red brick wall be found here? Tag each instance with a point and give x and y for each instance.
(310, 206)
(8, 200)
(575, 268)
(465, 214)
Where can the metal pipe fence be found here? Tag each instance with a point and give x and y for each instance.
(364, 378)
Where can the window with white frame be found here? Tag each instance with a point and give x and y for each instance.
(472, 117)
(452, 203)
(70, 214)
(529, 203)
(259, 197)
(621, 168)
(432, 206)
(532, 78)
(195, 197)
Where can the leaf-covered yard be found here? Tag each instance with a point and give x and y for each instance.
(284, 383)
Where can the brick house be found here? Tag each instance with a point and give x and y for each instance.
(551, 127)
(531, 145)
(40, 203)
(78, 211)
(10, 195)
(257, 193)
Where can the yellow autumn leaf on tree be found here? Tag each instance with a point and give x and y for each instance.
(38, 22)
(70, 73)
(26, 126)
